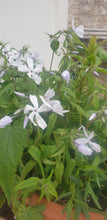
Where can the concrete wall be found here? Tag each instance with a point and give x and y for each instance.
(26, 22)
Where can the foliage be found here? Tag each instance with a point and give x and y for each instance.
(47, 123)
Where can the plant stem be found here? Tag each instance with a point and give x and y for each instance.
(13, 81)
(52, 60)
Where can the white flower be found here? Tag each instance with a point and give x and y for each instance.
(83, 144)
(105, 112)
(46, 99)
(80, 47)
(21, 94)
(58, 109)
(66, 75)
(6, 120)
(79, 30)
(93, 115)
(53, 105)
(82, 148)
(2, 74)
(32, 71)
(26, 121)
(75, 52)
(87, 69)
(14, 57)
(95, 73)
(18, 111)
(33, 113)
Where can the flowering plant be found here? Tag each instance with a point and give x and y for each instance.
(53, 126)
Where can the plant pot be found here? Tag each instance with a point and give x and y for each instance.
(53, 210)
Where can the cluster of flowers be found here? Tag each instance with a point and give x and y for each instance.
(32, 66)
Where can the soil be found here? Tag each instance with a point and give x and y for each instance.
(6, 213)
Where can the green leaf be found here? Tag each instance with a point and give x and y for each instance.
(36, 154)
(79, 109)
(48, 189)
(59, 170)
(60, 151)
(94, 197)
(12, 140)
(49, 162)
(51, 124)
(47, 150)
(28, 167)
(69, 169)
(64, 195)
(86, 213)
(54, 45)
(30, 182)
(102, 70)
(31, 213)
(2, 200)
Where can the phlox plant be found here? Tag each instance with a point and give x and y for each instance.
(53, 126)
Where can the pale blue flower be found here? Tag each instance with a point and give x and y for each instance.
(85, 145)
(53, 105)
(6, 120)
(31, 70)
(66, 75)
(33, 111)
(93, 115)
(105, 112)
(21, 94)
(2, 74)
(95, 73)
(79, 30)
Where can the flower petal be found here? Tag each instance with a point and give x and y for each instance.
(30, 63)
(45, 102)
(40, 121)
(96, 147)
(54, 102)
(91, 135)
(38, 69)
(31, 117)
(34, 101)
(80, 141)
(105, 112)
(36, 78)
(20, 94)
(6, 120)
(23, 68)
(85, 150)
(18, 111)
(93, 115)
(66, 75)
(2, 74)
(44, 108)
(26, 121)
(84, 130)
(28, 108)
(58, 109)
(79, 30)
(50, 93)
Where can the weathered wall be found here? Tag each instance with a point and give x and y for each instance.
(90, 13)
(93, 15)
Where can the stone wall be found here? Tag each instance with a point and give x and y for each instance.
(93, 15)
(90, 13)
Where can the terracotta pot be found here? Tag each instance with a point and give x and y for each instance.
(54, 210)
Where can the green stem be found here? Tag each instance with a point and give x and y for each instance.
(13, 81)
(52, 60)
